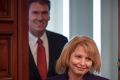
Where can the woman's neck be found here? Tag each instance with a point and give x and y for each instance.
(73, 76)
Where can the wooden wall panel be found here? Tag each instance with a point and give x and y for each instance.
(4, 8)
(8, 40)
(4, 56)
(5, 53)
(13, 40)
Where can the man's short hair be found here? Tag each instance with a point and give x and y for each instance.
(41, 2)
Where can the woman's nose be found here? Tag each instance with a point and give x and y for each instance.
(82, 62)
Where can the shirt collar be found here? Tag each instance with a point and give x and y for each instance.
(33, 39)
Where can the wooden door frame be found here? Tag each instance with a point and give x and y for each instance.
(23, 40)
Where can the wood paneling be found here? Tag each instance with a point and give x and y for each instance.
(5, 8)
(4, 55)
(13, 40)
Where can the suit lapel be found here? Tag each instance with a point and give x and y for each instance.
(51, 43)
(33, 72)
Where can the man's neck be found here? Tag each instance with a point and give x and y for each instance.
(37, 34)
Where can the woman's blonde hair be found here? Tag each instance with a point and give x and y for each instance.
(88, 45)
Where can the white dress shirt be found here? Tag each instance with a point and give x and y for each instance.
(33, 46)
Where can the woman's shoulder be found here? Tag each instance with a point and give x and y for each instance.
(86, 77)
(58, 77)
(94, 77)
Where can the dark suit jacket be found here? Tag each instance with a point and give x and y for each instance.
(56, 43)
(88, 76)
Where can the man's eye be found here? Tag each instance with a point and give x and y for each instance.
(35, 12)
(45, 12)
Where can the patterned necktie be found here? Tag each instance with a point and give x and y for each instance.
(41, 60)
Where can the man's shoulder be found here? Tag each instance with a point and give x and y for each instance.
(54, 34)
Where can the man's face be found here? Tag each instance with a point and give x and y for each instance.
(38, 18)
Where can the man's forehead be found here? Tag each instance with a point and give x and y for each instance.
(38, 6)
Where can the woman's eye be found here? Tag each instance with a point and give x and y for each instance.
(78, 56)
(89, 59)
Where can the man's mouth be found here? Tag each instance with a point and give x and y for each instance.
(38, 22)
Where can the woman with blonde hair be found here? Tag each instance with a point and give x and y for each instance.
(79, 60)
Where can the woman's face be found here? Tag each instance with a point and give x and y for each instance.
(80, 63)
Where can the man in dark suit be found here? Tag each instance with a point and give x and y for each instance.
(39, 15)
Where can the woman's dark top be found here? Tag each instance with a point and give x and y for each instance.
(88, 76)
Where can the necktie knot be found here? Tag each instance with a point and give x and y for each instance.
(39, 41)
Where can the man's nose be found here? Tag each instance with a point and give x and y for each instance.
(40, 17)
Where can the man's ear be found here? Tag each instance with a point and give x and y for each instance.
(49, 17)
